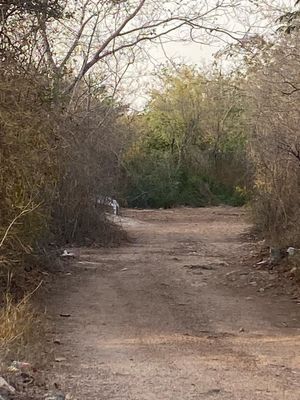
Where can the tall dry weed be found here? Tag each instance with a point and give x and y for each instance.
(19, 327)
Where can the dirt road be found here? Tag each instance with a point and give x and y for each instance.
(162, 318)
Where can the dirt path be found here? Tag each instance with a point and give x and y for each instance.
(160, 319)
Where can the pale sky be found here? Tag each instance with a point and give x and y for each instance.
(141, 78)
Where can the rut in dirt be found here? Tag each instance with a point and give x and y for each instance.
(157, 318)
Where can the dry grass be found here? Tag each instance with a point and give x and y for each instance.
(19, 326)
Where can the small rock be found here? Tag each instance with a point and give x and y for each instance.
(242, 330)
(253, 283)
(293, 271)
(54, 396)
(124, 269)
(60, 359)
(261, 290)
(269, 286)
(212, 392)
(6, 386)
(65, 315)
(56, 341)
(223, 264)
(262, 242)
(263, 262)
(199, 266)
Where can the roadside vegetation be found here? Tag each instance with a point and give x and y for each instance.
(190, 146)
(274, 143)
(66, 137)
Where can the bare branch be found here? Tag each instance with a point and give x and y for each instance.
(86, 66)
(75, 42)
(20, 215)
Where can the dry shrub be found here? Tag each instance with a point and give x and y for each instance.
(56, 156)
(19, 327)
(15, 321)
(27, 162)
(275, 143)
(58, 152)
(276, 206)
(90, 143)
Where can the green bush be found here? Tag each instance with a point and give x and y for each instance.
(155, 182)
(191, 144)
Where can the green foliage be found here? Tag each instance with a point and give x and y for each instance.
(191, 144)
(154, 183)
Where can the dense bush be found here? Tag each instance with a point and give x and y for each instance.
(156, 183)
(274, 106)
(55, 158)
(59, 150)
(191, 144)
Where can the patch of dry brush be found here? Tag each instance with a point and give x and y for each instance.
(56, 156)
(273, 86)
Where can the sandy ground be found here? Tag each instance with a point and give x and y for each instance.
(160, 318)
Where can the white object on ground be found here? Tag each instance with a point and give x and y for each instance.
(67, 253)
(291, 251)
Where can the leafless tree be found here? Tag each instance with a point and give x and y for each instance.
(98, 30)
